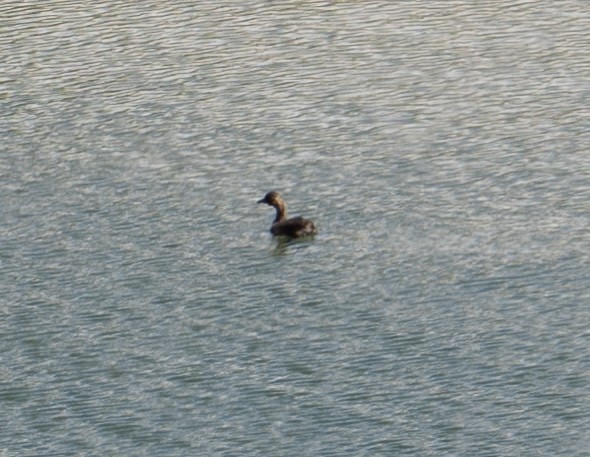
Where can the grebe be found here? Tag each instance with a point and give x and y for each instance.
(295, 227)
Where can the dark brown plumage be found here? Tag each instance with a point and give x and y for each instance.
(296, 227)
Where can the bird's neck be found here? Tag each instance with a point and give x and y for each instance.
(281, 212)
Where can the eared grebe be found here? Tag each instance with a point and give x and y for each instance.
(295, 227)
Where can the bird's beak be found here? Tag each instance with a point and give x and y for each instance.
(261, 201)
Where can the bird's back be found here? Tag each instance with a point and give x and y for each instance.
(295, 227)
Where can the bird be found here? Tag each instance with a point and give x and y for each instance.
(295, 227)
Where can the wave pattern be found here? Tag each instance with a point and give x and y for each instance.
(440, 148)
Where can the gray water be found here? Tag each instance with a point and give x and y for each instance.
(440, 147)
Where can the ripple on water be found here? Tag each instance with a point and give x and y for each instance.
(441, 150)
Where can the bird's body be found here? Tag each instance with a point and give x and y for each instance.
(295, 227)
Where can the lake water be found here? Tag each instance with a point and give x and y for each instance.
(442, 149)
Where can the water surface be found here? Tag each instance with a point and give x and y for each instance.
(441, 150)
